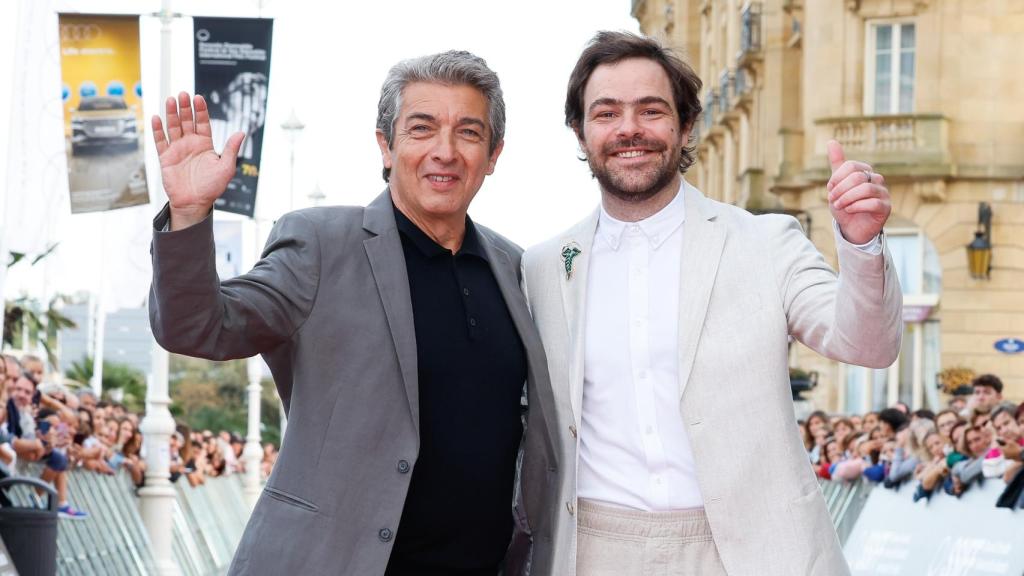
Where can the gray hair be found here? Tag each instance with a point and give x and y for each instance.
(452, 68)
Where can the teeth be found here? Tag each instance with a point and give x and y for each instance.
(631, 154)
(440, 178)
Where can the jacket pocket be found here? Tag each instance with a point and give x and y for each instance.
(290, 499)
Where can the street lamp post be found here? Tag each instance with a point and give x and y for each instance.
(293, 128)
(156, 498)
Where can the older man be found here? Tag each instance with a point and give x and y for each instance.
(397, 335)
(665, 316)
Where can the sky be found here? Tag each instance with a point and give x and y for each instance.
(327, 64)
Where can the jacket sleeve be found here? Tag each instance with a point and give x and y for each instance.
(854, 316)
(192, 312)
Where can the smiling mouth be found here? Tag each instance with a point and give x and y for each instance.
(434, 178)
(630, 154)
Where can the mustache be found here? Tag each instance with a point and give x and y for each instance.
(621, 145)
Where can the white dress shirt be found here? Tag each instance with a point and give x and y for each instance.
(634, 448)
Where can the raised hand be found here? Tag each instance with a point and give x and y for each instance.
(857, 197)
(194, 175)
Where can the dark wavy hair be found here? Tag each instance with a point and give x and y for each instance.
(610, 47)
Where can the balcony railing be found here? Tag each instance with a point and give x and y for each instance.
(907, 144)
(740, 86)
(725, 89)
(709, 110)
(750, 33)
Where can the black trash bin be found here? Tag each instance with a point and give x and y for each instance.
(30, 534)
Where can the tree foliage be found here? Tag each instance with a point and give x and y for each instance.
(209, 395)
(116, 376)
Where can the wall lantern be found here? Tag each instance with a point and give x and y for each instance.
(979, 251)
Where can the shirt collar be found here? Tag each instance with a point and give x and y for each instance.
(426, 245)
(656, 228)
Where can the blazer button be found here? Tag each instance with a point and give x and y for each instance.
(385, 535)
(570, 508)
(403, 466)
(572, 430)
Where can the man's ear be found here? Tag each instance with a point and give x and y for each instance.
(577, 129)
(494, 157)
(578, 132)
(385, 150)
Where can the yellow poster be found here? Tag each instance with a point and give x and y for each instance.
(103, 123)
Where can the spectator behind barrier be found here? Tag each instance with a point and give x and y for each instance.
(968, 471)
(987, 392)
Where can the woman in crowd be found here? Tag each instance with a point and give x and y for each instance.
(932, 470)
(968, 471)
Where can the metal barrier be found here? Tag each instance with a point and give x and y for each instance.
(845, 501)
(208, 523)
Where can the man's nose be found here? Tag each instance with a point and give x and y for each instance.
(444, 147)
(629, 126)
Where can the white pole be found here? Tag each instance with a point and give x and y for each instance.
(253, 452)
(252, 455)
(100, 330)
(99, 337)
(157, 497)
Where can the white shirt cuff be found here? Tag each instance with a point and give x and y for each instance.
(873, 246)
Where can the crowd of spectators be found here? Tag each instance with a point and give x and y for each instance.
(977, 438)
(64, 430)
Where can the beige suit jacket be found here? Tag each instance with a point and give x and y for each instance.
(746, 283)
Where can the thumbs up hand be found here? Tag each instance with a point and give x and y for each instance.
(857, 197)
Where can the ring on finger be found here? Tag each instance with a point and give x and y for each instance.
(869, 174)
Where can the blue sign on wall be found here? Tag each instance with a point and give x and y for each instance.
(1010, 345)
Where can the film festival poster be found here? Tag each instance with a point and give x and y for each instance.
(103, 123)
(232, 71)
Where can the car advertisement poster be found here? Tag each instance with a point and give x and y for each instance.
(103, 124)
(232, 67)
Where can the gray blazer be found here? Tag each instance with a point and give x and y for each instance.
(328, 307)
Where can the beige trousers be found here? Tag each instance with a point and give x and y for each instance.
(618, 542)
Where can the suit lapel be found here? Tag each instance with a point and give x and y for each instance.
(703, 240)
(506, 274)
(574, 300)
(387, 261)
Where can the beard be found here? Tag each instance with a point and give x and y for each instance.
(635, 185)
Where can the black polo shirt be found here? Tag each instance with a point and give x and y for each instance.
(457, 519)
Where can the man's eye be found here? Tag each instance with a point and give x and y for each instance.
(419, 128)
(469, 132)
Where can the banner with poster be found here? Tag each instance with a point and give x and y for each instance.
(103, 124)
(232, 66)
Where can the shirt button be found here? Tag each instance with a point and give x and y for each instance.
(403, 466)
(472, 321)
(649, 430)
(654, 238)
(465, 291)
(634, 228)
(570, 508)
(384, 534)
(572, 430)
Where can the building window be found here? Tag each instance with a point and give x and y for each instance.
(889, 77)
(911, 379)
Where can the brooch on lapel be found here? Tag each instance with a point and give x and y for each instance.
(569, 253)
